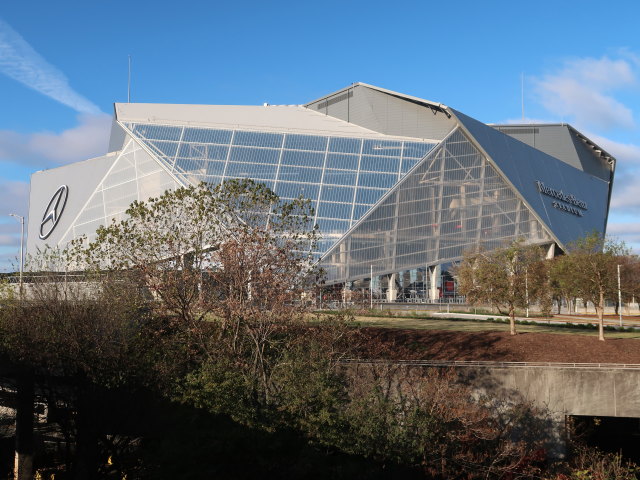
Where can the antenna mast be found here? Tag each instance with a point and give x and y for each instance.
(522, 93)
(129, 82)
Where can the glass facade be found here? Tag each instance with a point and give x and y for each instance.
(452, 201)
(135, 175)
(343, 177)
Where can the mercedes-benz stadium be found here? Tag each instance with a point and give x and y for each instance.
(401, 186)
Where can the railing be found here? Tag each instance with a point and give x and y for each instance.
(493, 364)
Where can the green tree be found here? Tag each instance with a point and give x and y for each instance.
(592, 266)
(510, 277)
(562, 280)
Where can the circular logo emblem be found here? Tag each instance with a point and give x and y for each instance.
(54, 210)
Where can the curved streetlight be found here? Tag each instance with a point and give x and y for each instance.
(20, 218)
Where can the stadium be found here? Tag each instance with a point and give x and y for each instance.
(401, 186)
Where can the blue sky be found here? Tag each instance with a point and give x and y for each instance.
(63, 64)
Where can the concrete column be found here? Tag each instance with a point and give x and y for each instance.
(435, 282)
(551, 252)
(392, 291)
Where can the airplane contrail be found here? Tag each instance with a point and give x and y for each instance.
(18, 60)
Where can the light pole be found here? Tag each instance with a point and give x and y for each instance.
(619, 297)
(20, 218)
(371, 289)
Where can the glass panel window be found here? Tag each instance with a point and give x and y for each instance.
(345, 162)
(207, 135)
(416, 150)
(408, 164)
(379, 180)
(359, 211)
(302, 159)
(380, 164)
(305, 142)
(200, 150)
(390, 148)
(189, 165)
(215, 168)
(251, 170)
(337, 194)
(334, 210)
(332, 227)
(157, 132)
(166, 149)
(344, 145)
(300, 174)
(254, 155)
(368, 195)
(258, 139)
(295, 190)
(339, 177)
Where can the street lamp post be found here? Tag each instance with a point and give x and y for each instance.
(20, 218)
(619, 297)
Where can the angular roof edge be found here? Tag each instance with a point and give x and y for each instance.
(411, 98)
(590, 143)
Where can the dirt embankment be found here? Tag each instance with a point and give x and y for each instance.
(398, 344)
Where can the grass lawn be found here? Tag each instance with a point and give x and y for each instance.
(479, 326)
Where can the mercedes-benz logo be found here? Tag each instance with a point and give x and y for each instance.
(54, 210)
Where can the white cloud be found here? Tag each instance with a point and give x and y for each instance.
(45, 149)
(627, 154)
(14, 198)
(582, 91)
(629, 232)
(9, 240)
(21, 62)
(625, 198)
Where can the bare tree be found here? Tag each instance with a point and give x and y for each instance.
(234, 258)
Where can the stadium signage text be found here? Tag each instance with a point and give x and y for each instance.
(53, 211)
(568, 202)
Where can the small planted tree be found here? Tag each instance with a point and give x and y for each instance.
(630, 278)
(507, 278)
(592, 267)
(562, 280)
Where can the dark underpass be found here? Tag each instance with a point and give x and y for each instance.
(609, 434)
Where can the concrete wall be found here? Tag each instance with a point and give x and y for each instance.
(610, 392)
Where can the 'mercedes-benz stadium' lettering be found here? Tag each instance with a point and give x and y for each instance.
(401, 186)
(560, 195)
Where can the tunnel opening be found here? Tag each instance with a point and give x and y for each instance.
(609, 434)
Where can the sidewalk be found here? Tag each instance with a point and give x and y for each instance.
(555, 320)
